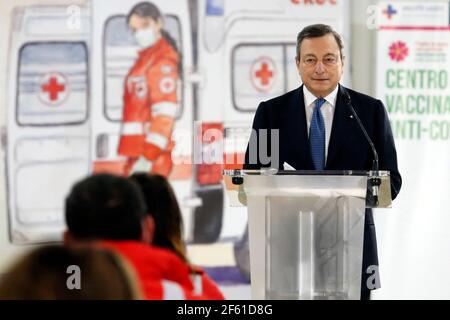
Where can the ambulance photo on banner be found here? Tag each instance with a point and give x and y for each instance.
(413, 81)
(95, 93)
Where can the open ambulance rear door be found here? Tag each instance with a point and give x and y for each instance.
(48, 118)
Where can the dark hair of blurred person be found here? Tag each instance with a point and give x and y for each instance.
(109, 211)
(163, 206)
(43, 274)
(105, 206)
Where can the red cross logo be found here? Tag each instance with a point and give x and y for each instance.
(167, 85)
(389, 12)
(263, 74)
(54, 89)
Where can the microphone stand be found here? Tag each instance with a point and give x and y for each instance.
(374, 179)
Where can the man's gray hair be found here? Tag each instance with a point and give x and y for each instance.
(316, 31)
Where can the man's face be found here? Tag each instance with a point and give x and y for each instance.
(320, 64)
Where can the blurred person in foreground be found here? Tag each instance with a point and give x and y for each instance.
(109, 211)
(163, 208)
(62, 273)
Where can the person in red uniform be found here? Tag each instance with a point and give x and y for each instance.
(109, 211)
(162, 275)
(150, 95)
(163, 207)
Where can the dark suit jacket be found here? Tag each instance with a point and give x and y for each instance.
(348, 148)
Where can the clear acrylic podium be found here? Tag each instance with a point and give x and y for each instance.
(305, 229)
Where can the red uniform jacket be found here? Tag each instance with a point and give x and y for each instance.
(162, 275)
(150, 102)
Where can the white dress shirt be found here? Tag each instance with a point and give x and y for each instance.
(327, 110)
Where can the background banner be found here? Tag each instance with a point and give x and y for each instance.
(413, 81)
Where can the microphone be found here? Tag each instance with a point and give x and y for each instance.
(375, 180)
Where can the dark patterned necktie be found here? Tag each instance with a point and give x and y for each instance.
(317, 136)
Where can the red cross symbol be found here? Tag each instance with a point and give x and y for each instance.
(53, 88)
(389, 12)
(264, 74)
(167, 85)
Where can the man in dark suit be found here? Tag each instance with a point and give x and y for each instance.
(317, 130)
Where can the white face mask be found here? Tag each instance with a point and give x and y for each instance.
(145, 37)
